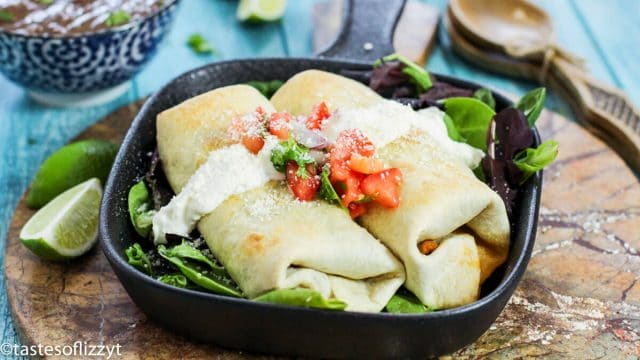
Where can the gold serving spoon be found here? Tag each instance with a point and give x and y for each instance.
(523, 31)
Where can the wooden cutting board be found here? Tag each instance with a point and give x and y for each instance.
(580, 297)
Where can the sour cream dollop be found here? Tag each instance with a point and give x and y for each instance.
(228, 171)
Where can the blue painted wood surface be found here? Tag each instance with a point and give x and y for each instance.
(604, 32)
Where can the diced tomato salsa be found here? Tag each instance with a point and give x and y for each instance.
(317, 117)
(357, 177)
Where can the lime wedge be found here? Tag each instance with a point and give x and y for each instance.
(69, 166)
(260, 10)
(66, 227)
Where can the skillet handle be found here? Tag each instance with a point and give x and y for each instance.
(367, 30)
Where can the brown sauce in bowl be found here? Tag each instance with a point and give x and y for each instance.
(70, 17)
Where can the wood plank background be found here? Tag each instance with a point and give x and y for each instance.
(603, 32)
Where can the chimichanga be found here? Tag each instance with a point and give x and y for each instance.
(441, 200)
(264, 237)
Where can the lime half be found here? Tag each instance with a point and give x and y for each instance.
(261, 10)
(66, 227)
(69, 166)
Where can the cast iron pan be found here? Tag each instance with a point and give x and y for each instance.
(274, 329)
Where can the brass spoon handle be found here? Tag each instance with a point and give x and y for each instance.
(604, 107)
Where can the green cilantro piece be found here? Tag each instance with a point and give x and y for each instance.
(419, 75)
(290, 150)
(118, 17)
(327, 191)
(46, 2)
(533, 159)
(199, 44)
(6, 16)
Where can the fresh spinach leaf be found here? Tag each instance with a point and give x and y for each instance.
(187, 251)
(6, 16)
(201, 275)
(177, 280)
(118, 17)
(405, 302)
(301, 297)
(266, 88)
(137, 257)
(327, 192)
(532, 104)
(533, 159)
(141, 209)
(290, 150)
(418, 75)
(510, 133)
(452, 131)
(478, 171)
(471, 118)
(486, 97)
(199, 44)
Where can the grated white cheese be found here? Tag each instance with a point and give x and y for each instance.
(388, 120)
(227, 171)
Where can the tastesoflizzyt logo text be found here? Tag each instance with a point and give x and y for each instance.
(78, 348)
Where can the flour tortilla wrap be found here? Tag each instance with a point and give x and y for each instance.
(186, 133)
(441, 199)
(265, 238)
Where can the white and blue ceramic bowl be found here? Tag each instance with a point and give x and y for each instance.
(85, 69)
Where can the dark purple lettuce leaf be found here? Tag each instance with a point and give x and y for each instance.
(442, 90)
(161, 192)
(389, 79)
(508, 134)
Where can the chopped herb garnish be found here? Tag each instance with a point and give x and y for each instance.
(199, 44)
(327, 192)
(6, 16)
(290, 150)
(420, 76)
(46, 2)
(530, 160)
(118, 17)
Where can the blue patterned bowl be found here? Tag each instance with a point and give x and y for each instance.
(91, 63)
